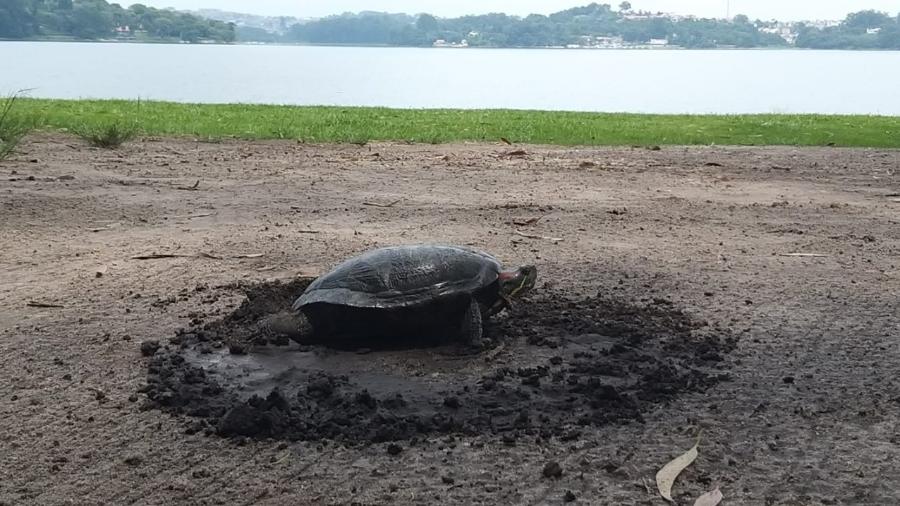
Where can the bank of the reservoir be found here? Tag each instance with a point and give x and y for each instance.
(361, 124)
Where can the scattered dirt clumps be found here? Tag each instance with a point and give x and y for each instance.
(557, 366)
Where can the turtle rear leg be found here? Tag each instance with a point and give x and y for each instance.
(472, 329)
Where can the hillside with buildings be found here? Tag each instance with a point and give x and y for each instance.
(595, 26)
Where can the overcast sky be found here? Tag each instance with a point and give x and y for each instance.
(763, 9)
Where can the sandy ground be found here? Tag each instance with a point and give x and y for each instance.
(810, 415)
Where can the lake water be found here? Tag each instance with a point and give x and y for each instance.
(646, 81)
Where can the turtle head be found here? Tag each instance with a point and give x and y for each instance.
(516, 282)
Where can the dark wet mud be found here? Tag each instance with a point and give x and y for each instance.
(556, 366)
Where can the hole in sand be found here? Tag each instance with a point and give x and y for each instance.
(558, 365)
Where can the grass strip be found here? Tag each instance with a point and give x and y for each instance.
(364, 124)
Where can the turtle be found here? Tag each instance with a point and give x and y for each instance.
(420, 292)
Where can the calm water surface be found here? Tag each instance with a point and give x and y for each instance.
(851, 82)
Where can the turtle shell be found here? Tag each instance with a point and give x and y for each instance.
(403, 276)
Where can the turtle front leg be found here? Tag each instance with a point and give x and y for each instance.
(293, 325)
(472, 325)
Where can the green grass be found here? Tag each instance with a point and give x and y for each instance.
(110, 134)
(13, 125)
(352, 124)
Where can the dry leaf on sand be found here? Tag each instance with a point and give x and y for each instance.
(711, 498)
(665, 478)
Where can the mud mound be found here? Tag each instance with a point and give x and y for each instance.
(559, 365)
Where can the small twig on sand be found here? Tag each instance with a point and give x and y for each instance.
(156, 256)
(192, 216)
(534, 236)
(282, 460)
(505, 141)
(109, 226)
(309, 231)
(647, 486)
(376, 204)
(529, 221)
(812, 255)
(33, 303)
(189, 188)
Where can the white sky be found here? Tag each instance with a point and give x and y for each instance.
(764, 9)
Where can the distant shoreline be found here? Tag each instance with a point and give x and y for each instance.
(385, 46)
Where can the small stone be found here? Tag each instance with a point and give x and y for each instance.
(788, 380)
(148, 348)
(452, 402)
(552, 470)
(200, 473)
(394, 449)
(448, 480)
(532, 381)
(569, 497)
(134, 460)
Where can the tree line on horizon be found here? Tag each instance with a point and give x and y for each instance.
(98, 19)
(562, 28)
(861, 30)
(867, 29)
